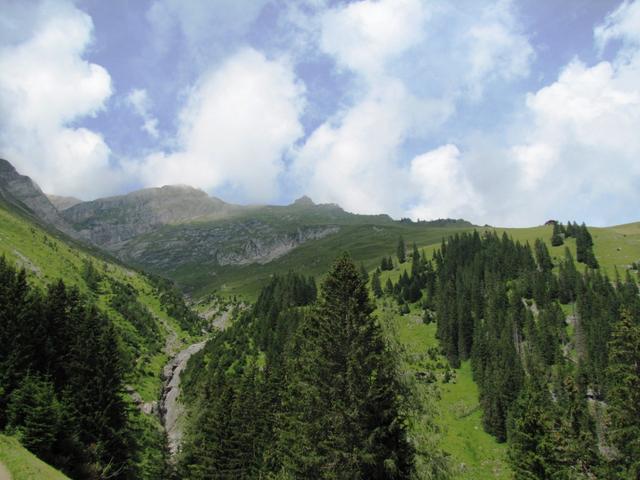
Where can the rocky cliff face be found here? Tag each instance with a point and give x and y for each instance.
(14, 186)
(62, 203)
(173, 227)
(231, 243)
(108, 222)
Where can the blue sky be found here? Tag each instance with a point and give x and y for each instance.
(501, 112)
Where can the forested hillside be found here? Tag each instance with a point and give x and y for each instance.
(82, 344)
(305, 388)
(553, 348)
(394, 366)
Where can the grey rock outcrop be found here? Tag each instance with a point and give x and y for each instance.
(62, 203)
(171, 409)
(110, 221)
(231, 243)
(14, 186)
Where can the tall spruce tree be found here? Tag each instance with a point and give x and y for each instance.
(556, 236)
(401, 251)
(345, 411)
(623, 395)
(376, 287)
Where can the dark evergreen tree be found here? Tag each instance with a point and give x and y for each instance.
(584, 247)
(542, 256)
(345, 400)
(376, 287)
(364, 273)
(401, 250)
(532, 451)
(623, 396)
(557, 238)
(388, 287)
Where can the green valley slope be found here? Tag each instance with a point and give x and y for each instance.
(22, 464)
(138, 305)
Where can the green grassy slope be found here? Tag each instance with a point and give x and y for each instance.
(367, 243)
(475, 455)
(48, 257)
(615, 247)
(22, 464)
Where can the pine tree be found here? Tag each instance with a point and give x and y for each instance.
(34, 413)
(376, 287)
(623, 396)
(345, 400)
(388, 287)
(401, 250)
(364, 273)
(584, 247)
(532, 451)
(542, 256)
(556, 237)
(416, 263)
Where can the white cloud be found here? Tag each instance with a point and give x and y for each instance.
(623, 23)
(352, 159)
(207, 25)
(45, 86)
(356, 158)
(239, 121)
(579, 144)
(364, 35)
(535, 160)
(138, 99)
(496, 47)
(444, 191)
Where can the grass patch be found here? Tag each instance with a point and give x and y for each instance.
(22, 464)
(475, 454)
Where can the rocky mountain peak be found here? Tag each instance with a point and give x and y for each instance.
(62, 203)
(112, 220)
(16, 187)
(304, 201)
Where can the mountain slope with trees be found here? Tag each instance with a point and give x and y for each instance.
(299, 388)
(544, 339)
(82, 348)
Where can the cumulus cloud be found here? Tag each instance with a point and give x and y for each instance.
(357, 157)
(623, 23)
(578, 145)
(496, 47)
(444, 188)
(46, 86)
(363, 35)
(207, 26)
(138, 99)
(352, 159)
(239, 121)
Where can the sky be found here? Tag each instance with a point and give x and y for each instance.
(500, 112)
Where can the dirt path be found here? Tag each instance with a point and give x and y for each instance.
(4, 473)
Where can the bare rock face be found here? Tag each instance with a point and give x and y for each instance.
(173, 227)
(14, 186)
(171, 409)
(62, 203)
(238, 242)
(110, 221)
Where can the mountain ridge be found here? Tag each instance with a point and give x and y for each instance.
(182, 233)
(21, 191)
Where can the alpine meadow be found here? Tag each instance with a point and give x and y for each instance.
(319, 239)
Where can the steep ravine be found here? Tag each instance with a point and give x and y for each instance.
(171, 409)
